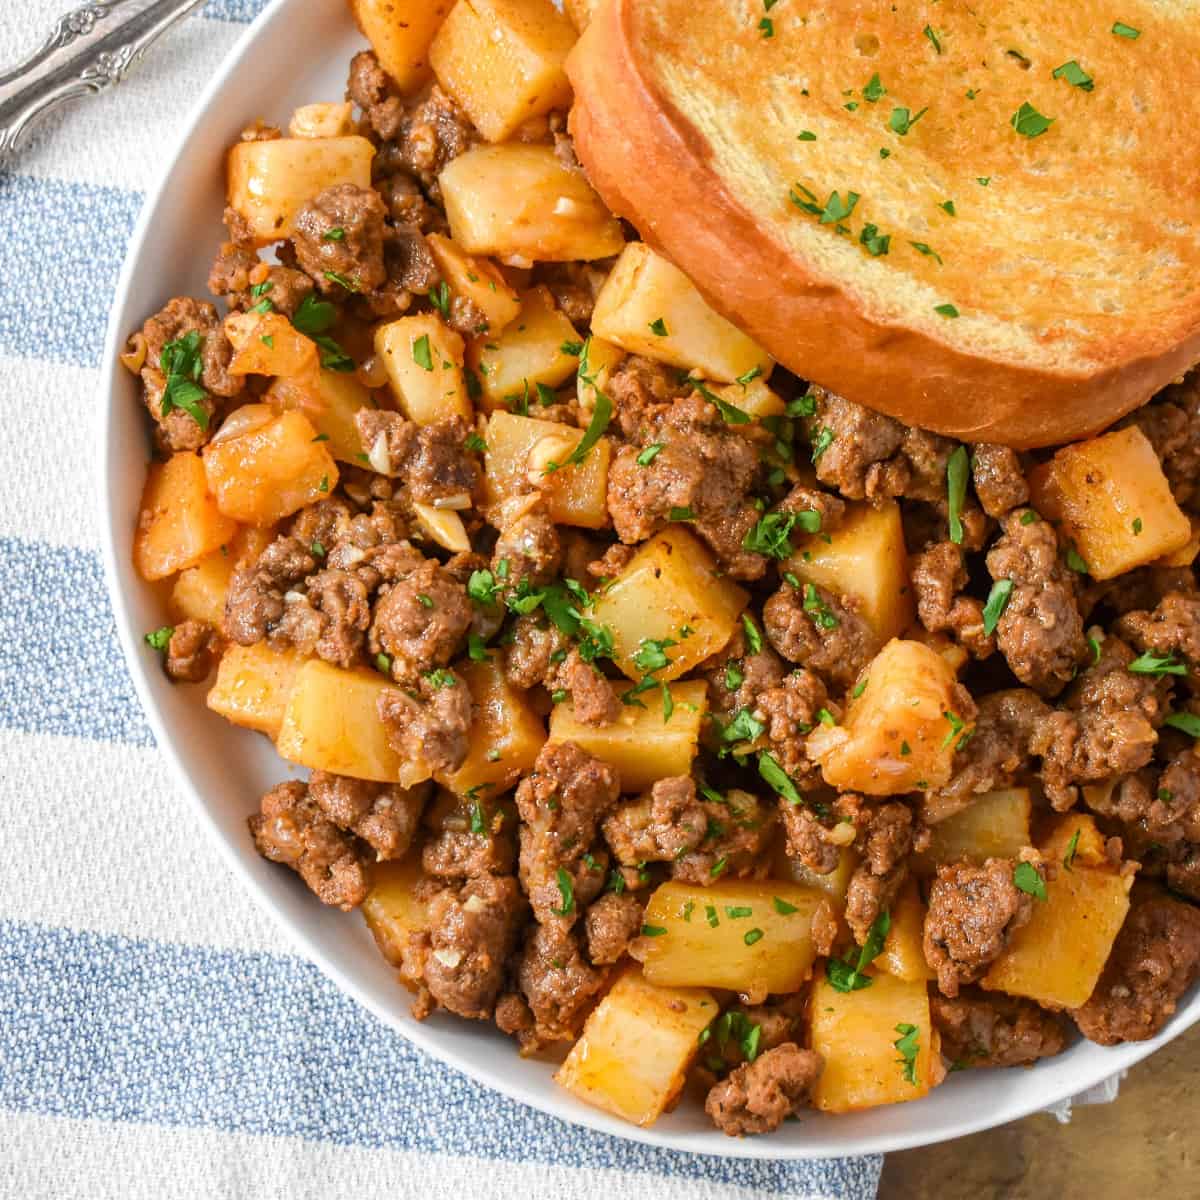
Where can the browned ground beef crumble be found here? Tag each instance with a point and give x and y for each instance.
(352, 581)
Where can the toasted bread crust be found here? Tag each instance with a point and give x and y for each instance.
(653, 167)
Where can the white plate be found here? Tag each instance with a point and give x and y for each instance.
(297, 52)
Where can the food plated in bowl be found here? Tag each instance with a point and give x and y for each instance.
(652, 710)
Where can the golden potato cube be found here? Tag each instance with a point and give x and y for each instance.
(506, 733)
(1057, 958)
(522, 205)
(896, 736)
(649, 306)
(269, 344)
(395, 908)
(857, 1032)
(424, 363)
(602, 358)
(400, 33)
(640, 744)
(745, 935)
(834, 885)
(330, 401)
(903, 951)
(332, 724)
(270, 471)
(994, 825)
(864, 557)
(529, 352)
(179, 522)
(518, 449)
(1186, 555)
(754, 397)
(199, 592)
(328, 120)
(636, 1048)
(1111, 498)
(502, 60)
(477, 280)
(269, 182)
(669, 587)
(1088, 849)
(253, 686)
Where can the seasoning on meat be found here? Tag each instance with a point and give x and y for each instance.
(990, 1029)
(759, 1096)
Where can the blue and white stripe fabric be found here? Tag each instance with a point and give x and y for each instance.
(154, 1041)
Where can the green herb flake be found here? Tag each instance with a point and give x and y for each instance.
(323, 486)
(1075, 75)
(934, 40)
(1028, 879)
(927, 250)
(771, 534)
(782, 907)
(1187, 723)
(383, 664)
(836, 209)
(1075, 562)
(850, 977)
(874, 89)
(822, 442)
(806, 135)
(752, 935)
(774, 775)
(957, 468)
(997, 602)
(159, 639)
(736, 911)
(860, 688)
(314, 316)
(649, 454)
(710, 915)
(730, 413)
(342, 281)
(875, 243)
(1153, 664)
(902, 120)
(767, 27)
(718, 868)
(1028, 517)
(947, 310)
(1137, 526)
(651, 930)
(733, 677)
(908, 1045)
(1072, 848)
(1120, 29)
(884, 152)
(1030, 123)
(422, 355)
(983, 180)
(658, 327)
(681, 514)
(753, 637)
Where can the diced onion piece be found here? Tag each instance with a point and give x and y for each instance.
(444, 527)
(243, 420)
(448, 958)
(379, 458)
(458, 502)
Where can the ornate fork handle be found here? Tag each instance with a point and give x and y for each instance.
(89, 50)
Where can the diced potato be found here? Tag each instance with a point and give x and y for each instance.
(332, 724)
(394, 908)
(269, 182)
(640, 744)
(329, 401)
(754, 397)
(529, 352)
(994, 825)
(506, 733)
(1057, 958)
(758, 950)
(602, 358)
(856, 1033)
(270, 471)
(518, 449)
(178, 521)
(253, 686)
(834, 885)
(199, 592)
(645, 294)
(636, 1048)
(477, 280)
(896, 736)
(502, 60)
(1186, 555)
(400, 32)
(670, 585)
(863, 557)
(269, 344)
(1088, 850)
(322, 120)
(424, 363)
(522, 205)
(443, 526)
(903, 951)
(1112, 500)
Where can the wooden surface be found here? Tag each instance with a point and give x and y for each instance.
(1141, 1146)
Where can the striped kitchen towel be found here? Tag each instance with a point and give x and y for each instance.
(154, 1040)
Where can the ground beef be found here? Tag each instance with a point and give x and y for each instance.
(374, 91)
(422, 136)
(407, 205)
(561, 803)
(939, 575)
(1172, 628)
(805, 499)
(191, 652)
(998, 478)
(182, 316)
(292, 830)
(989, 1029)
(973, 911)
(789, 712)
(611, 563)
(736, 678)
(757, 1097)
(255, 604)
(1105, 728)
(432, 460)
(343, 608)
(611, 923)
(465, 842)
(1154, 960)
(338, 239)
(659, 827)
(997, 753)
(820, 631)
(594, 700)
(1157, 812)
(1172, 425)
(884, 841)
(808, 840)
(558, 983)
(705, 470)
(531, 548)
(574, 286)
(537, 646)
(473, 930)
(430, 725)
(421, 622)
(245, 280)
(1040, 632)
(384, 815)
(737, 835)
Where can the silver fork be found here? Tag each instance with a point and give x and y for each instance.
(89, 50)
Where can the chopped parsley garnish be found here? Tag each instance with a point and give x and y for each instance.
(160, 638)
(767, 27)
(337, 234)
(947, 206)
(648, 455)
(884, 152)
(983, 180)
(997, 602)
(907, 1045)
(601, 413)
(901, 120)
(314, 316)
(476, 648)
(341, 280)
(333, 357)
(927, 250)
(1075, 75)
(1075, 562)
(826, 717)
(860, 688)
(710, 915)
(736, 911)
(905, 749)
(653, 930)
(749, 376)
(1126, 31)
(323, 486)
(718, 868)
(479, 822)
(685, 513)
(1137, 526)
(474, 443)
(546, 395)
(957, 467)
(182, 365)
(874, 89)
(1072, 847)
(424, 601)
(1094, 647)
(743, 728)
(730, 413)
(836, 209)
(733, 677)
(1030, 123)
(773, 774)
(441, 678)
(422, 355)
(818, 609)
(946, 310)
(782, 907)
(803, 406)
(440, 298)
(1153, 664)
(934, 40)
(318, 550)
(753, 637)
(957, 725)
(1028, 517)
(752, 935)
(849, 977)
(566, 890)
(875, 243)
(1187, 723)
(822, 442)
(771, 534)
(651, 655)
(383, 663)
(615, 882)
(658, 327)
(1028, 879)
(806, 135)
